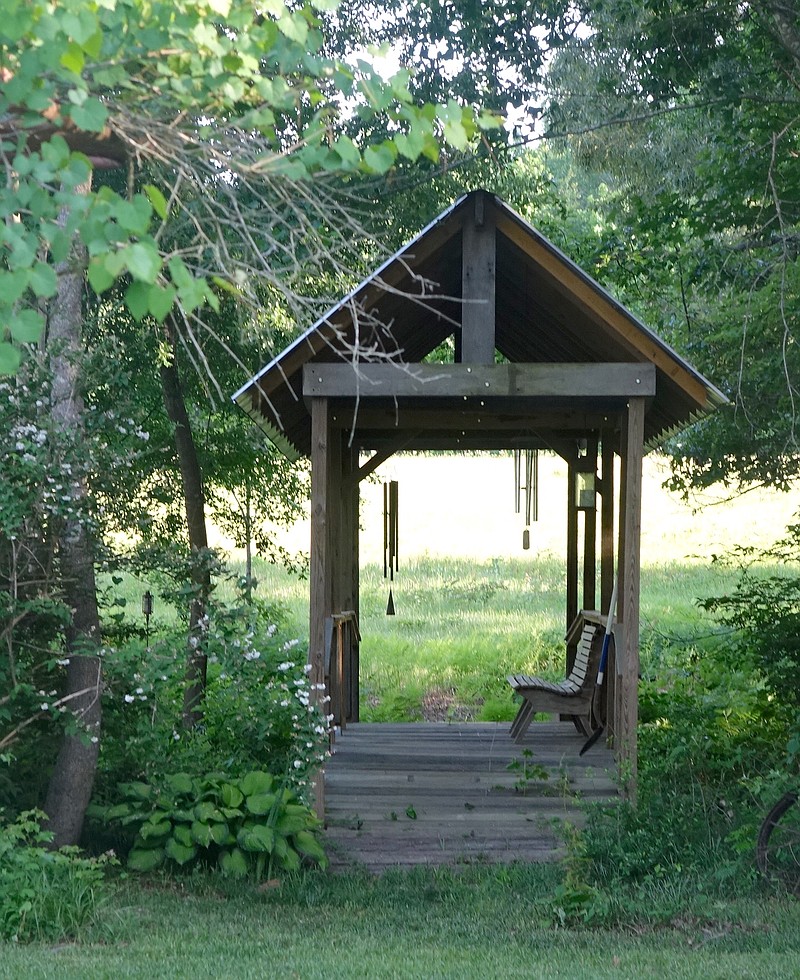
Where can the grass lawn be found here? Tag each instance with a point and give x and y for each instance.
(477, 923)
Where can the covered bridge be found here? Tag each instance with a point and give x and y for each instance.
(542, 358)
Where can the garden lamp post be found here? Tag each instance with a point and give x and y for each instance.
(147, 609)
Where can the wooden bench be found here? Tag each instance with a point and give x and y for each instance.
(575, 694)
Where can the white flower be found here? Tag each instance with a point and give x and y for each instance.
(63, 663)
(289, 644)
(44, 706)
(286, 665)
(94, 740)
(140, 690)
(129, 699)
(297, 763)
(176, 737)
(307, 669)
(272, 629)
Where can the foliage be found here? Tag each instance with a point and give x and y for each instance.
(194, 87)
(694, 122)
(764, 611)
(260, 708)
(251, 826)
(46, 895)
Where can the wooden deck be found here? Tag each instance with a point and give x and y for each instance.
(442, 793)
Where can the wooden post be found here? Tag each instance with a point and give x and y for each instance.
(320, 594)
(478, 285)
(350, 576)
(607, 573)
(627, 698)
(572, 560)
(590, 538)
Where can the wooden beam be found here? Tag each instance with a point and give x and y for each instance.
(572, 557)
(478, 275)
(627, 697)
(382, 455)
(590, 537)
(320, 597)
(607, 443)
(488, 382)
(490, 416)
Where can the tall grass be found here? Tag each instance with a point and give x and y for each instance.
(462, 625)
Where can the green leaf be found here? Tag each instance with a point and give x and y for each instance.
(138, 790)
(181, 783)
(290, 859)
(306, 843)
(289, 823)
(160, 300)
(153, 831)
(233, 862)
(183, 835)
(14, 285)
(256, 782)
(260, 802)
(157, 199)
(26, 326)
(92, 116)
(43, 280)
(137, 299)
(100, 279)
(143, 261)
(381, 158)
(201, 833)
(117, 812)
(145, 859)
(208, 811)
(73, 58)
(231, 795)
(258, 838)
(134, 216)
(220, 833)
(179, 853)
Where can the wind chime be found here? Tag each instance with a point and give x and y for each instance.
(526, 477)
(390, 528)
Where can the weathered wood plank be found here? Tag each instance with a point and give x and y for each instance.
(489, 381)
(456, 779)
(478, 286)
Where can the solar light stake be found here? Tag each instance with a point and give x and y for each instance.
(147, 609)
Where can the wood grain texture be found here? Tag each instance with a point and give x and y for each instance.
(455, 779)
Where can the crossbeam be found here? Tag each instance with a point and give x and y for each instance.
(491, 381)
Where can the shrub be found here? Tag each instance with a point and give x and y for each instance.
(250, 826)
(258, 712)
(45, 894)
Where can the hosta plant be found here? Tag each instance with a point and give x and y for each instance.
(250, 826)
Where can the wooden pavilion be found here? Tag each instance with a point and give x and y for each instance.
(542, 358)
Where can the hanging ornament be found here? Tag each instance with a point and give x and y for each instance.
(526, 477)
(390, 537)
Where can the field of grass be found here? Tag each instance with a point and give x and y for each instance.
(477, 922)
(472, 606)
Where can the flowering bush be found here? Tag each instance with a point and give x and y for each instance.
(259, 710)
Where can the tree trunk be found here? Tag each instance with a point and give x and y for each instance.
(194, 501)
(71, 783)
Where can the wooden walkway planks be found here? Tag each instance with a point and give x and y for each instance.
(442, 793)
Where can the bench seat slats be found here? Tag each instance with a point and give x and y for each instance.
(573, 695)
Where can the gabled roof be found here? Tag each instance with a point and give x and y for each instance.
(547, 311)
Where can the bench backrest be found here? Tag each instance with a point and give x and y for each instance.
(587, 657)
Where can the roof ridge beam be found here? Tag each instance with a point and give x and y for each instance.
(478, 283)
